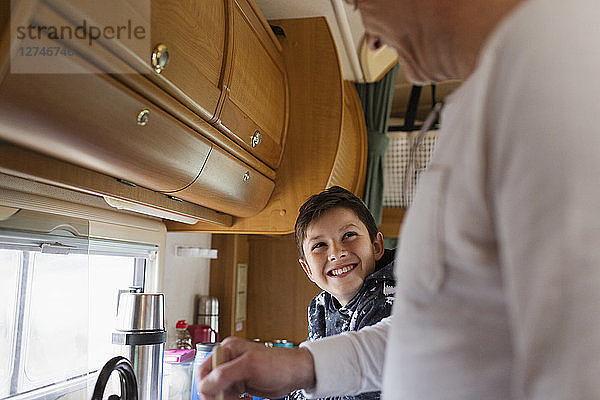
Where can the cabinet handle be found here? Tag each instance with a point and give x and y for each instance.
(256, 138)
(246, 176)
(160, 58)
(143, 117)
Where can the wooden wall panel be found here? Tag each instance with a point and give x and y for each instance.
(391, 220)
(278, 290)
(232, 250)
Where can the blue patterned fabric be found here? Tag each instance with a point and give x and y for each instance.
(326, 317)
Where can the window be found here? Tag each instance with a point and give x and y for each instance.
(9, 275)
(58, 296)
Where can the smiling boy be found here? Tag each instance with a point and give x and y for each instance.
(342, 252)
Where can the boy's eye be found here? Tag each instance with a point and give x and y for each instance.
(348, 234)
(317, 245)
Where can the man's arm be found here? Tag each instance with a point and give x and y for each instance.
(255, 369)
(349, 363)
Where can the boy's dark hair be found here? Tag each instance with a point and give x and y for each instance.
(334, 197)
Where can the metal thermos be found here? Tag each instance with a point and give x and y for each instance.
(207, 313)
(140, 335)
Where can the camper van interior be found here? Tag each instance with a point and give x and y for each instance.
(165, 146)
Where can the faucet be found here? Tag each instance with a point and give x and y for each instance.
(126, 376)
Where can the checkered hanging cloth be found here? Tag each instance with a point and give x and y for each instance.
(395, 163)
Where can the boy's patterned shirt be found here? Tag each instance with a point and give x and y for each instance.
(371, 304)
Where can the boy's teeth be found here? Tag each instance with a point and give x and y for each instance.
(340, 271)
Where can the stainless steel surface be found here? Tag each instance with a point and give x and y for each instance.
(147, 363)
(141, 312)
(140, 336)
(207, 313)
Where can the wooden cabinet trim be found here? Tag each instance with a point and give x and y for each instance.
(48, 170)
(355, 107)
(227, 61)
(351, 161)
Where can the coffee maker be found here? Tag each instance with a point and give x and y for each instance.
(140, 336)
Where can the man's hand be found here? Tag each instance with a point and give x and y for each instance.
(256, 369)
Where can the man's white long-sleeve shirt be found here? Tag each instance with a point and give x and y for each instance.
(498, 269)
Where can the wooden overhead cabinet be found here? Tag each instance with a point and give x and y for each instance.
(234, 125)
(105, 136)
(326, 140)
(155, 123)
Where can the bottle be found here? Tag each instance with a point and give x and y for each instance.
(184, 339)
(203, 350)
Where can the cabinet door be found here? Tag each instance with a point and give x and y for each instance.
(90, 120)
(194, 34)
(228, 185)
(255, 109)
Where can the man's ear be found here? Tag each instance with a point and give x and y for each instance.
(306, 268)
(378, 248)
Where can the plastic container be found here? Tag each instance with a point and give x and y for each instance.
(177, 374)
(183, 339)
(179, 355)
(283, 343)
(203, 350)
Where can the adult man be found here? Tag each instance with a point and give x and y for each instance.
(498, 275)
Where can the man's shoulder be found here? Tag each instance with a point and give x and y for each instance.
(518, 34)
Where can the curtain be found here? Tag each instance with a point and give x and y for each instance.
(376, 99)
